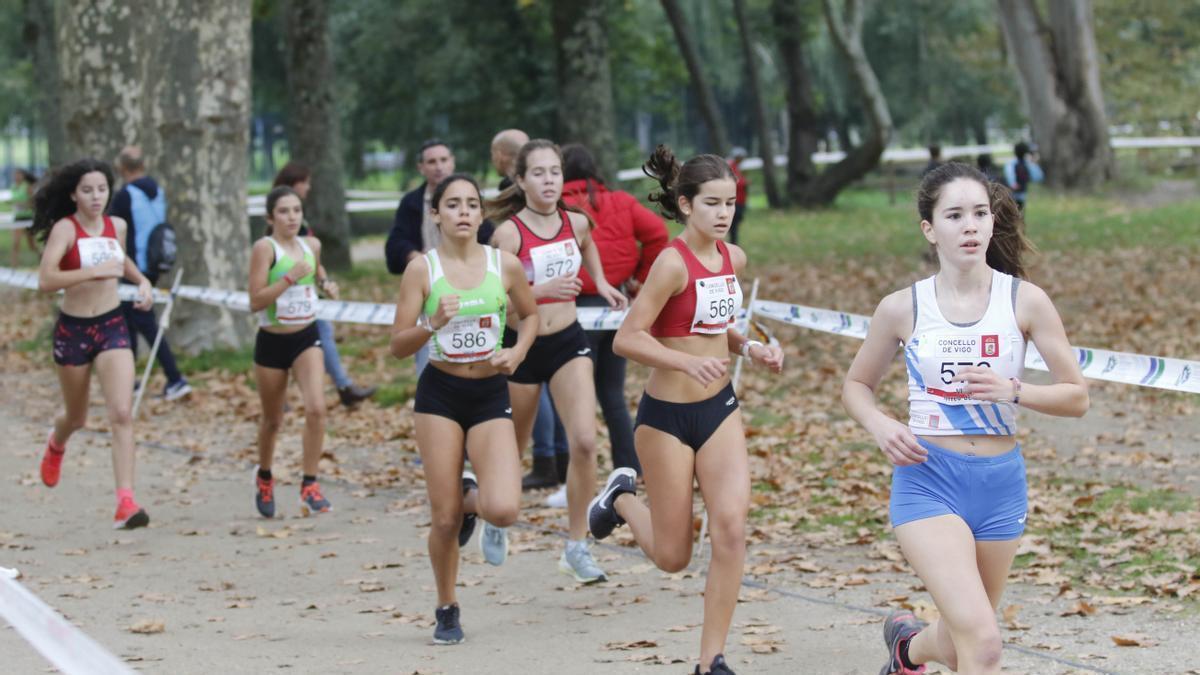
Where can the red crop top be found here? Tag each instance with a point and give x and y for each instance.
(545, 259)
(708, 305)
(89, 251)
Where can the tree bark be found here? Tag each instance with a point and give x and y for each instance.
(313, 129)
(40, 42)
(717, 139)
(766, 142)
(1060, 78)
(585, 93)
(174, 77)
(803, 121)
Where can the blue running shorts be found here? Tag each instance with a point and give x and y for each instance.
(988, 493)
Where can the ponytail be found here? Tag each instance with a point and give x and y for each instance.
(681, 181)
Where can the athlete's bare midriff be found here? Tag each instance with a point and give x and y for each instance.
(677, 386)
(90, 298)
(981, 446)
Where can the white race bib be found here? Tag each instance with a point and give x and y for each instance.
(469, 338)
(296, 305)
(942, 356)
(559, 259)
(95, 251)
(717, 302)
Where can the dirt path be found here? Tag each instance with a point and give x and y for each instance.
(352, 592)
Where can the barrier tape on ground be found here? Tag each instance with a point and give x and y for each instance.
(64, 645)
(1099, 364)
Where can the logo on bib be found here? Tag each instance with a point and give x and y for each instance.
(990, 346)
(568, 248)
(731, 285)
(933, 421)
(485, 322)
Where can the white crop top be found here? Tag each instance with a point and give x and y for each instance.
(939, 348)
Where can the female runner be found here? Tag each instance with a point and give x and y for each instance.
(688, 424)
(84, 257)
(958, 501)
(455, 297)
(283, 291)
(553, 241)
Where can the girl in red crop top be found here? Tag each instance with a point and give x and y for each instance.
(553, 242)
(84, 256)
(688, 423)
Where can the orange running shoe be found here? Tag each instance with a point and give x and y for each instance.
(52, 462)
(312, 501)
(130, 516)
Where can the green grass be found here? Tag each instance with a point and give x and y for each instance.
(233, 360)
(1140, 500)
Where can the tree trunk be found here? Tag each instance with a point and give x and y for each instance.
(717, 139)
(803, 122)
(585, 93)
(173, 77)
(766, 142)
(1060, 78)
(845, 26)
(313, 134)
(40, 42)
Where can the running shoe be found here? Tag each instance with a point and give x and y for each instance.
(51, 463)
(602, 512)
(264, 495)
(449, 631)
(717, 667)
(898, 627)
(469, 482)
(577, 561)
(176, 390)
(129, 515)
(493, 543)
(312, 501)
(558, 499)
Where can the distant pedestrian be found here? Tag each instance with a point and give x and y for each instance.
(142, 204)
(935, 159)
(743, 192)
(1022, 170)
(22, 207)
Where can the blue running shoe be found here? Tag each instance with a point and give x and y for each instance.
(468, 522)
(449, 631)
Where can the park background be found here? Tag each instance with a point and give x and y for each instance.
(222, 93)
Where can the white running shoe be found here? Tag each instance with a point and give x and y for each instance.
(558, 500)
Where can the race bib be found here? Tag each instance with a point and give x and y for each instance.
(944, 356)
(296, 305)
(469, 338)
(559, 259)
(95, 251)
(717, 302)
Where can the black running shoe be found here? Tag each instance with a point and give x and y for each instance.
(717, 667)
(898, 627)
(468, 524)
(449, 631)
(602, 512)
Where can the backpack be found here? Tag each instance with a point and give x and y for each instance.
(1022, 173)
(160, 250)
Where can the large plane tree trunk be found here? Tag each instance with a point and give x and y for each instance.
(174, 78)
(585, 93)
(313, 130)
(1059, 72)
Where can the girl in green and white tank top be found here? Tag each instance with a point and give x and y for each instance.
(457, 296)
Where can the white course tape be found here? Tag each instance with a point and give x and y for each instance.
(64, 645)
(1099, 364)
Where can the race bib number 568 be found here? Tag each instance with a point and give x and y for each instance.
(717, 302)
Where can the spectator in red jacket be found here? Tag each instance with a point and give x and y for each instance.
(743, 186)
(629, 237)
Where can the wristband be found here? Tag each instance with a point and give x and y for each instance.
(747, 345)
(1016, 390)
(290, 281)
(424, 322)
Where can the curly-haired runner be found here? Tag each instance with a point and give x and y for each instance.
(84, 257)
(689, 425)
(958, 501)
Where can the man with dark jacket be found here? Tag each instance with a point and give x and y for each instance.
(413, 230)
(143, 206)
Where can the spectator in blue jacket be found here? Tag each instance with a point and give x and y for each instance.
(143, 205)
(1021, 171)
